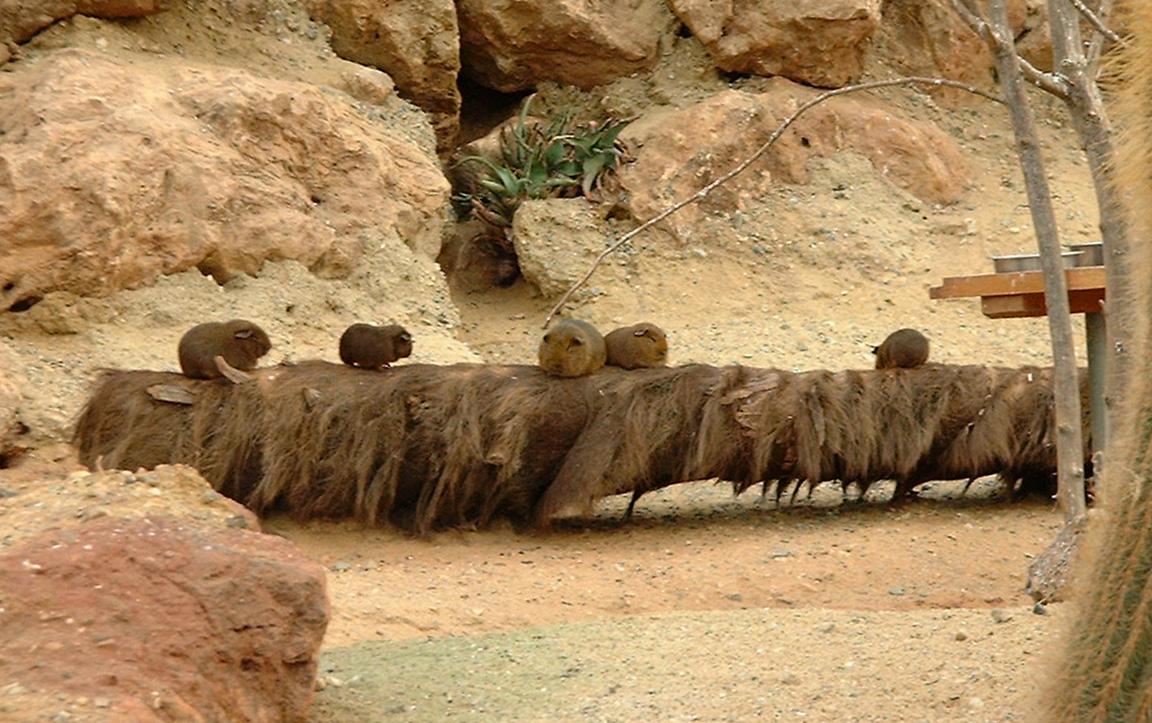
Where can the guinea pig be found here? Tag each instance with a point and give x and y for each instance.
(572, 348)
(905, 348)
(239, 342)
(374, 347)
(636, 346)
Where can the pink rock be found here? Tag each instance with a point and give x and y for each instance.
(162, 619)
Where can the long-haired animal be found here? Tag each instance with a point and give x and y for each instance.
(572, 348)
(238, 343)
(374, 347)
(904, 348)
(636, 346)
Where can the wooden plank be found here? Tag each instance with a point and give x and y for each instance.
(1019, 306)
(1019, 282)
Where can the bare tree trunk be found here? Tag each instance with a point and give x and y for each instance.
(1092, 124)
(1069, 449)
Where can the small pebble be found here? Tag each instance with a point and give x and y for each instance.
(341, 566)
(1040, 609)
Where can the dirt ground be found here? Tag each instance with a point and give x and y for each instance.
(702, 607)
(706, 607)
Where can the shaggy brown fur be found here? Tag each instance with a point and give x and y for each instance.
(636, 346)
(374, 347)
(904, 348)
(238, 341)
(427, 447)
(572, 348)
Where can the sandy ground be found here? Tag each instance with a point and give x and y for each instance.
(703, 607)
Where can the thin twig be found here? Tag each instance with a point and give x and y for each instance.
(1095, 22)
(1052, 83)
(703, 192)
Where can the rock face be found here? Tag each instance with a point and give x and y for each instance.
(512, 46)
(817, 42)
(417, 43)
(111, 175)
(20, 20)
(681, 151)
(930, 39)
(161, 617)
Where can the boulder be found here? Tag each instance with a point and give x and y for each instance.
(816, 42)
(113, 173)
(12, 429)
(928, 38)
(679, 152)
(557, 240)
(513, 46)
(21, 19)
(417, 43)
(157, 617)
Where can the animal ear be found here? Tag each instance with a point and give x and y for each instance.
(405, 337)
(875, 350)
(641, 332)
(244, 334)
(577, 341)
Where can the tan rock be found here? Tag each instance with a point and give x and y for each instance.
(21, 19)
(679, 152)
(12, 428)
(557, 240)
(417, 43)
(929, 39)
(817, 42)
(113, 174)
(511, 46)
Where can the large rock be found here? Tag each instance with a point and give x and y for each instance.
(817, 42)
(21, 19)
(112, 174)
(928, 38)
(155, 618)
(679, 152)
(557, 240)
(12, 428)
(512, 46)
(417, 43)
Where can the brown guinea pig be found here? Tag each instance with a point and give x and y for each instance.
(639, 345)
(374, 347)
(905, 348)
(572, 348)
(240, 342)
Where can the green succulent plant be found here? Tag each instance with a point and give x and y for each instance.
(557, 160)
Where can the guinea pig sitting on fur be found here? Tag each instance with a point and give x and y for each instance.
(238, 342)
(636, 346)
(905, 348)
(374, 347)
(572, 348)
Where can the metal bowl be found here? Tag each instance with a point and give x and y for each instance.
(1030, 262)
(1092, 253)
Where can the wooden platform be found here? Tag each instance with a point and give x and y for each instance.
(1021, 293)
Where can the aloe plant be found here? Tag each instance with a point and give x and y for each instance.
(557, 160)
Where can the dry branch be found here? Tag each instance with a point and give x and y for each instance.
(743, 165)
